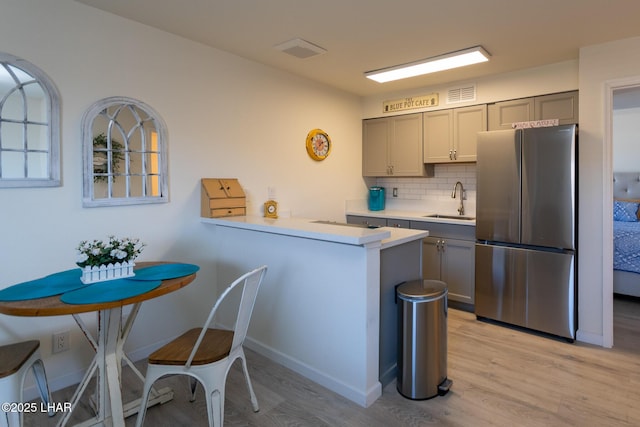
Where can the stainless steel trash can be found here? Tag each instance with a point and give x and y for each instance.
(422, 339)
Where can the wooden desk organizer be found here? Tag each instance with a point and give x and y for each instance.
(222, 197)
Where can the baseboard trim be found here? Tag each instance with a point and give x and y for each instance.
(362, 397)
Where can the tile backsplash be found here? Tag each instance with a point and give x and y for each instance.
(438, 187)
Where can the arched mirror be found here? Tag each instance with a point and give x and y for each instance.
(29, 125)
(125, 160)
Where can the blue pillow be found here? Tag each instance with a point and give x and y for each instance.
(625, 211)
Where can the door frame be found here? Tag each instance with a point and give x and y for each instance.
(610, 87)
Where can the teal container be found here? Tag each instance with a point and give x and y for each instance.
(376, 198)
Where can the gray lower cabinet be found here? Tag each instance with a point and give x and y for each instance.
(451, 261)
(448, 254)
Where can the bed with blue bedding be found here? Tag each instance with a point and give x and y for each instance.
(626, 233)
(626, 246)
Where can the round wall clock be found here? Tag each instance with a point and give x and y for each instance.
(318, 144)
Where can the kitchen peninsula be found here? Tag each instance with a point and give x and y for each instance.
(325, 309)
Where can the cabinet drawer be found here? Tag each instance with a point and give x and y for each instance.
(236, 202)
(366, 220)
(448, 231)
(217, 213)
(398, 223)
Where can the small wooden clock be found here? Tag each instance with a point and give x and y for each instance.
(271, 209)
(318, 144)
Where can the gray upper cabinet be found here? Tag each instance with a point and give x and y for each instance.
(562, 106)
(392, 146)
(438, 135)
(502, 114)
(450, 135)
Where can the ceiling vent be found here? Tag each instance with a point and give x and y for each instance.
(300, 48)
(461, 94)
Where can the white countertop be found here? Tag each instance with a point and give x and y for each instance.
(410, 211)
(309, 229)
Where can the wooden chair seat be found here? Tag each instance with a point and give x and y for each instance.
(14, 356)
(16, 360)
(215, 346)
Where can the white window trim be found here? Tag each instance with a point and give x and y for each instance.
(91, 114)
(53, 112)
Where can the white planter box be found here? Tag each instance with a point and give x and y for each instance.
(104, 272)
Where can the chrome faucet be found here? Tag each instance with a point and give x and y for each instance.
(453, 196)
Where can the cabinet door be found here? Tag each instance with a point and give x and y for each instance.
(562, 106)
(232, 188)
(458, 269)
(438, 136)
(375, 142)
(467, 122)
(502, 114)
(405, 149)
(431, 258)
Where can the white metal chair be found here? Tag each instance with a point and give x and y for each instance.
(206, 354)
(15, 362)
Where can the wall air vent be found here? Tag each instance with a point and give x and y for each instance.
(461, 94)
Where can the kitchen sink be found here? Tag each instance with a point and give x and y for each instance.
(461, 217)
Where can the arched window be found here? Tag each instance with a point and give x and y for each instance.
(125, 156)
(29, 125)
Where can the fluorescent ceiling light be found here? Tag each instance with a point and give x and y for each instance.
(447, 61)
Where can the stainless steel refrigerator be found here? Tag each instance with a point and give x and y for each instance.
(526, 228)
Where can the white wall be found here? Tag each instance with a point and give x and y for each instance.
(626, 130)
(226, 117)
(600, 66)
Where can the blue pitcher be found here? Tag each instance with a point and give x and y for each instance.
(376, 198)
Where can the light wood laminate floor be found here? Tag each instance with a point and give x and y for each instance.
(501, 377)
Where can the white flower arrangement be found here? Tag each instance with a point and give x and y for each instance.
(113, 251)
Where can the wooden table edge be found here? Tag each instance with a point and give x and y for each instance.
(52, 306)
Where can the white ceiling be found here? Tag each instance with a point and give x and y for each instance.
(364, 35)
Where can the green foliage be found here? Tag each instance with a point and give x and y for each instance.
(114, 250)
(100, 156)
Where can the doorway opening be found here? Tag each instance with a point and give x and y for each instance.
(622, 101)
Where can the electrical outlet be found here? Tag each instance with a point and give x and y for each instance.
(395, 192)
(61, 341)
(271, 193)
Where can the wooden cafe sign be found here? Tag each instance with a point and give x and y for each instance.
(423, 101)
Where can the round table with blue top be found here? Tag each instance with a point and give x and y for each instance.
(63, 293)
